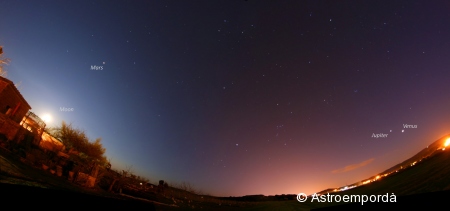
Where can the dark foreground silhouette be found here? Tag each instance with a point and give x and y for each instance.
(19, 196)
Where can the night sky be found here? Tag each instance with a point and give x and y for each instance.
(239, 97)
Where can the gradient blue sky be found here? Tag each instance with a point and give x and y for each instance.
(239, 97)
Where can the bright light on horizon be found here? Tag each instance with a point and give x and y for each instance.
(447, 142)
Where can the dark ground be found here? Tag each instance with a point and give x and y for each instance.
(426, 186)
(22, 186)
(18, 196)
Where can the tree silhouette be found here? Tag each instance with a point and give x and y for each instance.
(3, 61)
(76, 140)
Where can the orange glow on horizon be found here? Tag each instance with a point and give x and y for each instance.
(447, 142)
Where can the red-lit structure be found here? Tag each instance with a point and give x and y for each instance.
(13, 108)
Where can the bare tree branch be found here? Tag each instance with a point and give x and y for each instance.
(3, 61)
